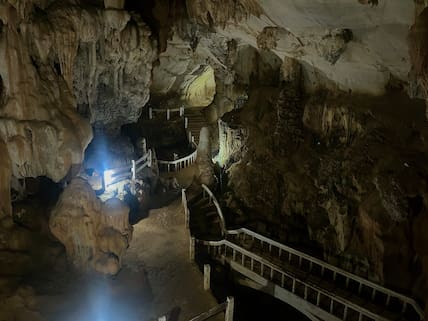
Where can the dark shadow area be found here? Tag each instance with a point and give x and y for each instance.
(165, 137)
(250, 304)
(174, 314)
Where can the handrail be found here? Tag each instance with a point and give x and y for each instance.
(144, 157)
(115, 175)
(185, 161)
(334, 269)
(406, 301)
(210, 313)
(166, 110)
(117, 170)
(227, 307)
(213, 199)
(273, 268)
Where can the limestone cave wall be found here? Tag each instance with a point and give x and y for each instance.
(323, 137)
(340, 175)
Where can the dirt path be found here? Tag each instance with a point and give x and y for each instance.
(160, 248)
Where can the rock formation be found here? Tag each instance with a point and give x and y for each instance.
(418, 48)
(321, 143)
(5, 178)
(112, 67)
(342, 183)
(95, 234)
(38, 120)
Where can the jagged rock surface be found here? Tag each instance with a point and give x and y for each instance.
(418, 48)
(95, 234)
(345, 185)
(38, 121)
(112, 67)
(5, 178)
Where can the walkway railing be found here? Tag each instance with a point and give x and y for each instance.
(116, 175)
(227, 307)
(213, 200)
(180, 163)
(253, 264)
(335, 307)
(167, 111)
(283, 251)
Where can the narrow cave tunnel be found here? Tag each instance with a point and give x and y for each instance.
(270, 157)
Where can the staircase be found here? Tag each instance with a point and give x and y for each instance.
(204, 220)
(196, 120)
(319, 290)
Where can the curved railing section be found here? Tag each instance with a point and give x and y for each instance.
(324, 300)
(214, 201)
(118, 174)
(335, 272)
(180, 163)
(321, 296)
(167, 111)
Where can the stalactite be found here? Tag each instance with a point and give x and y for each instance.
(92, 73)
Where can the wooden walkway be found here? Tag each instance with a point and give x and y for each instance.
(319, 290)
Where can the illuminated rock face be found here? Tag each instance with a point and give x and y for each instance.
(95, 234)
(38, 120)
(63, 67)
(199, 88)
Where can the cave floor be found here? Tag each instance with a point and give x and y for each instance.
(157, 278)
(160, 249)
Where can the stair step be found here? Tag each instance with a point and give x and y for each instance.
(207, 206)
(200, 202)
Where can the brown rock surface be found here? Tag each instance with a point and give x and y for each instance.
(418, 49)
(95, 234)
(338, 175)
(5, 177)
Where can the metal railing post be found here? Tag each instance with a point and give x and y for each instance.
(229, 309)
(167, 114)
(149, 158)
(187, 218)
(192, 249)
(207, 277)
(150, 113)
(186, 122)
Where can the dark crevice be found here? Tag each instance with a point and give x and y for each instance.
(415, 205)
(1, 90)
(34, 62)
(159, 16)
(57, 68)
